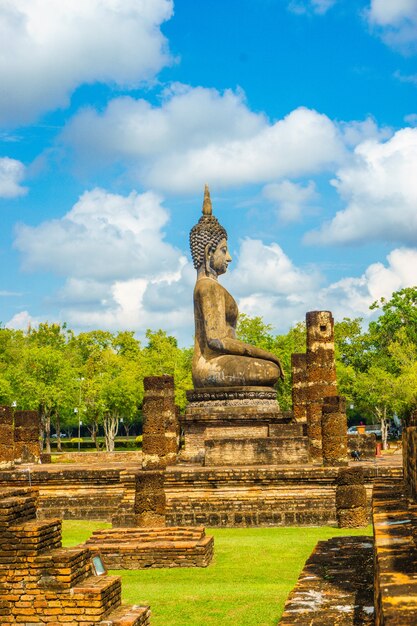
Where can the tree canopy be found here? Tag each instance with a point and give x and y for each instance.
(97, 377)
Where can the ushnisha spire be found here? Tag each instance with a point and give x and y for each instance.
(207, 233)
(207, 206)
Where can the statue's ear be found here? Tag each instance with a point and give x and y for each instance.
(207, 258)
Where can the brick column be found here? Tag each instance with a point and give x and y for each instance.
(160, 424)
(150, 499)
(26, 436)
(6, 436)
(321, 375)
(334, 431)
(299, 386)
(351, 510)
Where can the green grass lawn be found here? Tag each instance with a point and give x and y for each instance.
(252, 573)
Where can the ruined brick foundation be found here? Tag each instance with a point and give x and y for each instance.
(139, 548)
(43, 583)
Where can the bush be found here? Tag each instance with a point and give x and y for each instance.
(76, 440)
(138, 439)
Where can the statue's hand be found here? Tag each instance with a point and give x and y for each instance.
(277, 362)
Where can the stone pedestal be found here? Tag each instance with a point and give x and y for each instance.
(239, 426)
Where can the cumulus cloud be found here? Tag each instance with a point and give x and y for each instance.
(352, 296)
(198, 135)
(262, 278)
(355, 132)
(395, 21)
(380, 188)
(104, 235)
(267, 283)
(119, 272)
(291, 199)
(128, 304)
(12, 173)
(49, 48)
(22, 321)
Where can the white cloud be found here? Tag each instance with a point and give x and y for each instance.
(320, 7)
(12, 173)
(104, 236)
(356, 132)
(263, 280)
(49, 48)
(267, 283)
(119, 272)
(269, 269)
(352, 296)
(199, 135)
(127, 306)
(411, 119)
(396, 21)
(22, 321)
(380, 187)
(291, 199)
(389, 13)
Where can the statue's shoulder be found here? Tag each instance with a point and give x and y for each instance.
(206, 287)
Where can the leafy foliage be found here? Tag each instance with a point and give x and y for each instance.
(97, 377)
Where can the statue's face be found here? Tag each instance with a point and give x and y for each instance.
(220, 258)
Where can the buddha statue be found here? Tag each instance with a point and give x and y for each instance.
(220, 359)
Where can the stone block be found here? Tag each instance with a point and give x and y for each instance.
(29, 420)
(262, 451)
(350, 496)
(351, 476)
(352, 518)
(6, 415)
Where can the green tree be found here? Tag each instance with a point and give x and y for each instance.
(163, 356)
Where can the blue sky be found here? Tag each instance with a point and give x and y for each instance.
(301, 115)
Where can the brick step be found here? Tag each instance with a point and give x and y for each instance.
(99, 594)
(36, 536)
(66, 567)
(88, 603)
(18, 506)
(128, 616)
(133, 548)
(144, 535)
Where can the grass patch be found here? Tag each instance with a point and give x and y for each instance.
(77, 531)
(253, 571)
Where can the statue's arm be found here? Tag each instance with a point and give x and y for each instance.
(211, 303)
(235, 346)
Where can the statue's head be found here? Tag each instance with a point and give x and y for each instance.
(208, 241)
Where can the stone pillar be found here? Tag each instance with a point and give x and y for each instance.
(172, 436)
(150, 499)
(321, 375)
(26, 436)
(351, 510)
(6, 437)
(299, 386)
(334, 431)
(160, 424)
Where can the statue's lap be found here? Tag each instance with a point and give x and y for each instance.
(235, 371)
